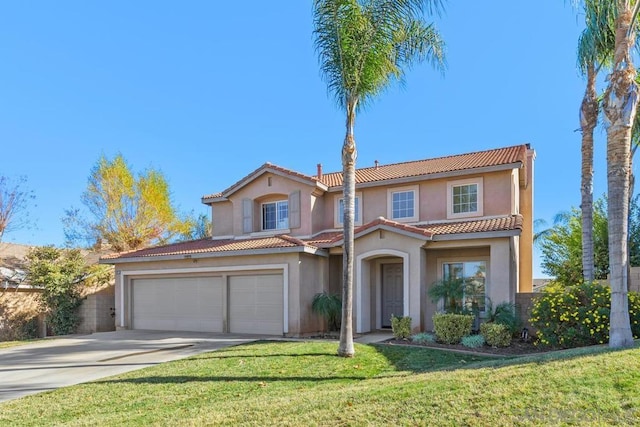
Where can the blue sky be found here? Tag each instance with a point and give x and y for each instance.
(208, 91)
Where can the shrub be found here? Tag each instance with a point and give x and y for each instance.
(18, 326)
(450, 328)
(473, 341)
(401, 327)
(423, 338)
(578, 315)
(60, 273)
(328, 306)
(506, 314)
(496, 334)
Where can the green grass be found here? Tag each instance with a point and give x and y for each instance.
(304, 383)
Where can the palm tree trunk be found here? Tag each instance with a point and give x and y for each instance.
(349, 155)
(588, 121)
(620, 106)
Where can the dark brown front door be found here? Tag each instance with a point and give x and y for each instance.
(392, 296)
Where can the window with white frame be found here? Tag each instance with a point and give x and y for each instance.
(464, 198)
(275, 215)
(403, 204)
(473, 278)
(339, 220)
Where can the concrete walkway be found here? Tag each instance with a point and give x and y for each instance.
(374, 337)
(63, 361)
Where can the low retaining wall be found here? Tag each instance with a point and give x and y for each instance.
(524, 303)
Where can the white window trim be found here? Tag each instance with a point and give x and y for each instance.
(416, 203)
(487, 279)
(337, 223)
(262, 215)
(479, 181)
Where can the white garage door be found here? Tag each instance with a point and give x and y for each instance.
(255, 304)
(178, 304)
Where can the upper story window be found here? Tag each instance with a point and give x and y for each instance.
(403, 204)
(275, 215)
(464, 198)
(339, 220)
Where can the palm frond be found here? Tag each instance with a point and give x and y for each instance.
(363, 45)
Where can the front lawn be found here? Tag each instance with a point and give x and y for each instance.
(304, 383)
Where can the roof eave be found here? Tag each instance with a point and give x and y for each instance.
(220, 254)
(476, 235)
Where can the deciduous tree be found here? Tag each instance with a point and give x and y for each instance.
(15, 198)
(125, 211)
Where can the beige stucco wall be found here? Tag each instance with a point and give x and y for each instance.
(314, 273)
(222, 217)
(318, 211)
(309, 271)
(260, 191)
(526, 237)
(498, 198)
(369, 250)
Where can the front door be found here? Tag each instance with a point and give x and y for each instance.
(392, 297)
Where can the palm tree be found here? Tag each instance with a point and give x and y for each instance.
(595, 50)
(619, 106)
(364, 45)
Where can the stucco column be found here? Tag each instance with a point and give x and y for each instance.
(500, 286)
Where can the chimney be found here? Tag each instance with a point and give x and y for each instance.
(319, 171)
(376, 163)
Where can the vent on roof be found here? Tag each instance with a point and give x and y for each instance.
(319, 170)
(376, 163)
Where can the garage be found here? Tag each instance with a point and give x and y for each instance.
(178, 304)
(256, 304)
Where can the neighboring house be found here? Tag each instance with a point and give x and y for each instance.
(12, 266)
(18, 298)
(277, 241)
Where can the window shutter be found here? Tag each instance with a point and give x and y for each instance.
(294, 209)
(247, 215)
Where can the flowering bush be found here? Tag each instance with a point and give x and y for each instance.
(578, 315)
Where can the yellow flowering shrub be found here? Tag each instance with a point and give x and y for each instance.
(574, 316)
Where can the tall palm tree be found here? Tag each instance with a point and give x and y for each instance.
(595, 50)
(364, 45)
(619, 106)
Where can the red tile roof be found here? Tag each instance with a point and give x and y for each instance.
(322, 240)
(211, 246)
(509, 223)
(479, 159)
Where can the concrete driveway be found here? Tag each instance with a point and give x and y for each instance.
(50, 364)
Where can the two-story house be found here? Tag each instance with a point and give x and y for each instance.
(277, 241)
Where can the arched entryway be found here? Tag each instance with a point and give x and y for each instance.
(382, 288)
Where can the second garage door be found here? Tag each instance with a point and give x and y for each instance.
(256, 304)
(178, 304)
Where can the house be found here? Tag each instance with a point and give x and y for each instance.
(277, 241)
(19, 300)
